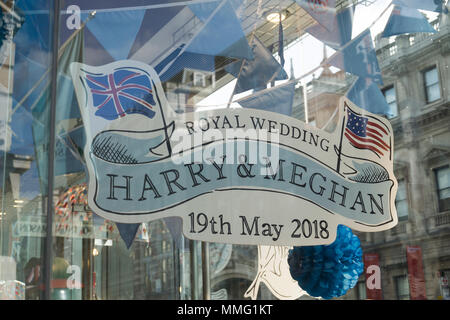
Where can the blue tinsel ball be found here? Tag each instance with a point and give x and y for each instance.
(328, 271)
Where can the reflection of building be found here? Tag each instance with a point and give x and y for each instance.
(416, 83)
(416, 78)
(189, 85)
(322, 96)
(159, 267)
(238, 273)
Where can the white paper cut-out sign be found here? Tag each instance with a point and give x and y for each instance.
(234, 175)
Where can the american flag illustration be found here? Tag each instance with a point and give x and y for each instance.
(124, 91)
(367, 133)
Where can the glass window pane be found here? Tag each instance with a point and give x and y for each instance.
(390, 95)
(432, 87)
(210, 59)
(401, 200)
(444, 193)
(401, 190)
(393, 110)
(362, 291)
(402, 287)
(25, 58)
(433, 93)
(443, 177)
(402, 208)
(431, 77)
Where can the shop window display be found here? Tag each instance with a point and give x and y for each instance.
(165, 67)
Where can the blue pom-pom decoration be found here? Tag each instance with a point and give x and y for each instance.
(328, 271)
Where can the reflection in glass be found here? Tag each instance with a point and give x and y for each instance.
(432, 88)
(209, 55)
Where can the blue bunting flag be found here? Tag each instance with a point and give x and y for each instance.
(221, 34)
(277, 99)
(366, 95)
(128, 232)
(428, 5)
(323, 11)
(116, 30)
(256, 73)
(359, 57)
(341, 32)
(406, 20)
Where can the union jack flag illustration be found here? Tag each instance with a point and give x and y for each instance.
(367, 133)
(124, 91)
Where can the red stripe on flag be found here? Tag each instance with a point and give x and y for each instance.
(363, 146)
(96, 82)
(128, 78)
(134, 86)
(377, 139)
(148, 105)
(376, 125)
(374, 131)
(365, 140)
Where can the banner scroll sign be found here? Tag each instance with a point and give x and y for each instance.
(234, 175)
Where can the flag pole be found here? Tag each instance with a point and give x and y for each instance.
(305, 100)
(60, 52)
(338, 167)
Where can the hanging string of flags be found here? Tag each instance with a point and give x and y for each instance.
(220, 34)
(357, 55)
(406, 18)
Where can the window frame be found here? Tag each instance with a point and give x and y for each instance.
(438, 189)
(384, 90)
(426, 86)
(406, 199)
(361, 293)
(397, 287)
(199, 79)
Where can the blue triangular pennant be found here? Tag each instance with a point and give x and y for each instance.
(116, 30)
(221, 35)
(33, 39)
(204, 9)
(128, 232)
(27, 74)
(406, 20)
(341, 32)
(429, 5)
(22, 140)
(178, 62)
(258, 72)
(277, 99)
(366, 95)
(359, 57)
(175, 226)
(321, 11)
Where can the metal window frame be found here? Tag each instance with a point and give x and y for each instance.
(406, 199)
(393, 106)
(397, 280)
(48, 245)
(438, 189)
(427, 86)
